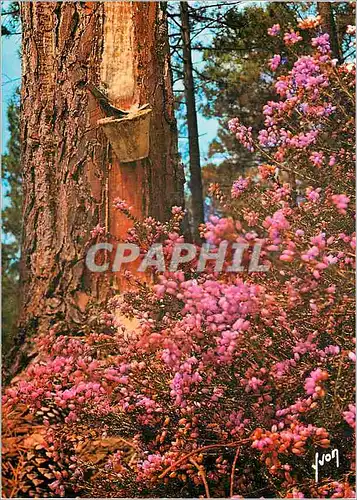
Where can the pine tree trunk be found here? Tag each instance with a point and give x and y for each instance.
(71, 174)
(328, 24)
(192, 126)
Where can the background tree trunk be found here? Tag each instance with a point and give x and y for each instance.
(192, 126)
(328, 24)
(71, 175)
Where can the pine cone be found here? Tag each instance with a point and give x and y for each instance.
(29, 466)
(50, 414)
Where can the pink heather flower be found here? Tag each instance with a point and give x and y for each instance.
(350, 416)
(266, 138)
(281, 193)
(177, 210)
(292, 37)
(218, 229)
(319, 240)
(97, 231)
(307, 73)
(341, 201)
(325, 110)
(313, 194)
(281, 87)
(269, 108)
(233, 125)
(352, 356)
(253, 384)
(333, 350)
(239, 186)
(311, 254)
(152, 464)
(276, 224)
(317, 158)
(332, 161)
(274, 30)
(311, 383)
(251, 218)
(120, 204)
(296, 494)
(309, 22)
(287, 256)
(322, 43)
(274, 62)
(242, 133)
(302, 140)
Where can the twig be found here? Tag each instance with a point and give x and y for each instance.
(233, 470)
(201, 473)
(204, 448)
(129, 443)
(281, 166)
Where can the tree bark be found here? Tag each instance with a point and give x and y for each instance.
(328, 24)
(71, 174)
(192, 126)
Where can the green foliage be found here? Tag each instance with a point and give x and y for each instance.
(11, 219)
(10, 14)
(236, 81)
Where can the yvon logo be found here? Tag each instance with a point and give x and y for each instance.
(325, 458)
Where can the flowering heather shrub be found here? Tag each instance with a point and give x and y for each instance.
(229, 384)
